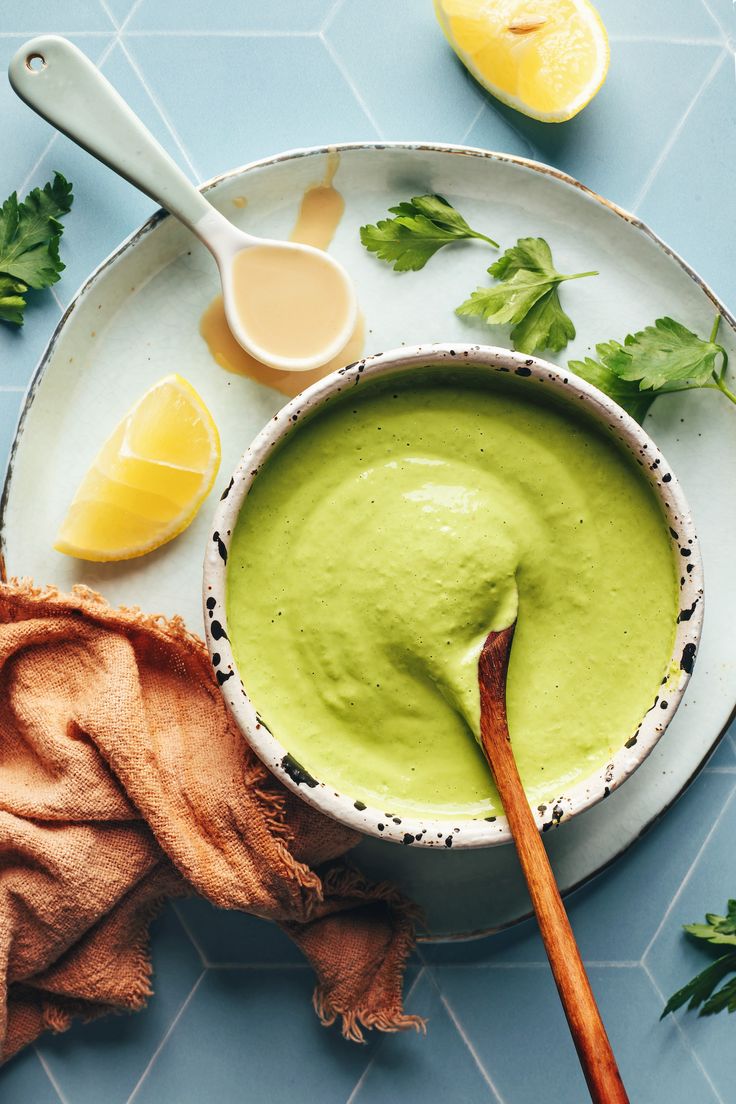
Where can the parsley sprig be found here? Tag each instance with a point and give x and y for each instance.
(526, 296)
(661, 359)
(703, 992)
(420, 227)
(30, 232)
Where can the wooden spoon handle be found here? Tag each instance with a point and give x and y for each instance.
(586, 1026)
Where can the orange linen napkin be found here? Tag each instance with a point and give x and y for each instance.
(123, 781)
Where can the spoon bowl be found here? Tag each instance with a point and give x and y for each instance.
(293, 310)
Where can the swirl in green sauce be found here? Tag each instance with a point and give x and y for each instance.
(391, 532)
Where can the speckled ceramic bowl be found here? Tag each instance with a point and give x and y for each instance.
(464, 832)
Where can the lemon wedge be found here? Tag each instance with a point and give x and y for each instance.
(148, 480)
(545, 58)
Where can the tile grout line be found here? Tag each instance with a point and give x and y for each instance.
(457, 1024)
(259, 965)
(47, 1070)
(338, 62)
(688, 875)
(471, 1049)
(687, 1043)
(330, 17)
(671, 40)
(671, 141)
(190, 934)
(165, 1039)
(159, 108)
(222, 34)
(371, 1061)
(57, 299)
(542, 964)
(106, 8)
(532, 152)
(131, 12)
(716, 19)
(29, 176)
(68, 34)
(473, 122)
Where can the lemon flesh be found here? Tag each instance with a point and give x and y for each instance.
(545, 58)
(148, 480)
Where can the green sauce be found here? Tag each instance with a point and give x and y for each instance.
(385, 538)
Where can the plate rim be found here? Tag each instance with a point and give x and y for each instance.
(298, 153)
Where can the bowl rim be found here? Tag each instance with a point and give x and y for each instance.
(463, 832)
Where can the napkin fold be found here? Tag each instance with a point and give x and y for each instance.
(124, 782)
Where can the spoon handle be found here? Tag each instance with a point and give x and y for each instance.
(586, 1026)
(60, 83)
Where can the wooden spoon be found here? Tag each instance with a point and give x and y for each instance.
(584, 1019)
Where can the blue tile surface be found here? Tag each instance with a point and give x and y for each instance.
(707, 194)
(119, 10)
(527, 1047)
(191, 15)
(673, 959)
(226, 936)
(384, 66)
(613, 144)
(403, 1068)
(256, 1028)
(606, 925)
(722, 11)
(44, 16)
(24, 1081)
(104, 1060)
(660, 19)
(252, 82)
(232, 1019)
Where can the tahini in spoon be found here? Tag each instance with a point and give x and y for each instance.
(290, 305)
(584, 1019)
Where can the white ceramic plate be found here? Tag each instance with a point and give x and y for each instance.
(137, 319)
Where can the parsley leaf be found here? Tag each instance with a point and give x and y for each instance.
(544, 326)
(703, 992)
(12, 302)
(30, 232)
(625, 393)
(663, 354)
(700, 992)
(716, 929)
(420, 227)
(660, 359)
(525, 296)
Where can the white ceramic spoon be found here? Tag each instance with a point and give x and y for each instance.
(60, 83)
